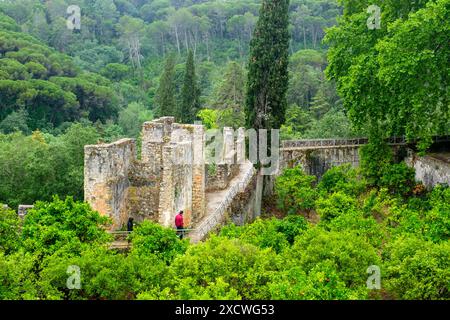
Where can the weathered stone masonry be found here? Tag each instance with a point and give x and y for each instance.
(170, 176)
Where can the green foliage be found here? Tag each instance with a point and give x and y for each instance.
(190, 94)
(9, 230)
(15, 121)
(268, 67)
(374, 158)
(49, 226)
(243, 270)
(43, 165)
(151, 238)
(209, 118)
(398, 178)
(166, 93)
(229, 97)
(294, 190)
(418, 269)
(321, 283)
(394, 80)
(17, 276)
(115, 71)
(349, 255)
(132, 117)
(342, 178)
(48, 86)
(335, 205)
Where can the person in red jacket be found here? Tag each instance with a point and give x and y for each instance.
(179, 223)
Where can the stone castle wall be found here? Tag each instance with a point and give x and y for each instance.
(106, 182)
(317, 161)
(170, 176)
(430, 170)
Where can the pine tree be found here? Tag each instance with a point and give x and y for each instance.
(268, 67)
(190, 94)
(320, 104)
(229, 97)
(165, 95)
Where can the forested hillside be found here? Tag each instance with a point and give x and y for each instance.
(117, 58)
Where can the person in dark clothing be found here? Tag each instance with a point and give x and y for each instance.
(130, 225)
(179, 223)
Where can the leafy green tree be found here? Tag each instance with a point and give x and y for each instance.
(229, 97)
(15, 121)
(294, 191)
(17, 276)
(9, 230)
(342, 178)
(243, 269)
(348, 254)
(115, 71)
(132, 117)
(418, 269)
(190, 94)
(335, 205)
(333, 124)
(394, 81)
(268, 67)
(151, 238)
(50, 226)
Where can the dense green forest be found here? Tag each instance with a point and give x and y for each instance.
(325, 74)
(104, 73)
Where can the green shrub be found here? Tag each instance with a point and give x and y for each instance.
(354, 221)
(151, 238)
(49, 226)
(294, 190)
(321, 283)
(343, 178)
(374, 156)
(291, 226)
(398, 178)
(9, 230)
(242, 267)
(418, 269)
(333, 206)
(348, 254)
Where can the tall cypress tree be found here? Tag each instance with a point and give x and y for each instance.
(268, 67)
(165, 95)
(190, 94)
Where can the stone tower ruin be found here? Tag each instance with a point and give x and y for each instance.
(170, 175)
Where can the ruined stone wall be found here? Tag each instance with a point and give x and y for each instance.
(169, 177)
(219, 174)
(106, 180)
(142, 201)
(176, 183)
(318, 161)
(430, 170)
(233, 204)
